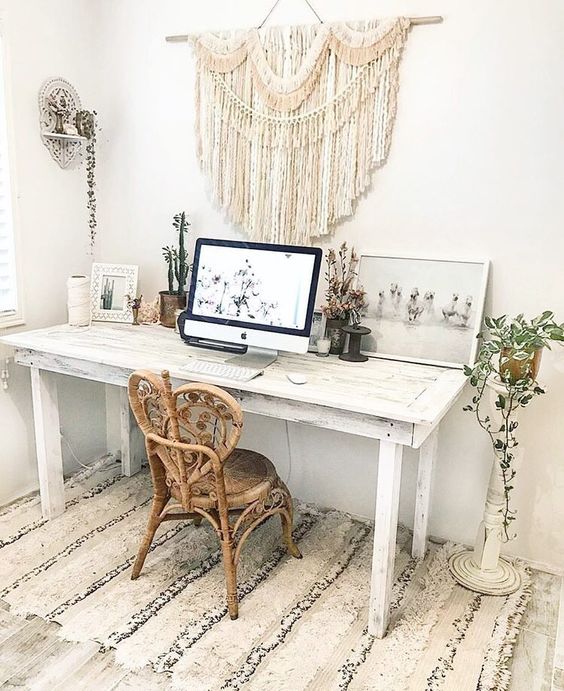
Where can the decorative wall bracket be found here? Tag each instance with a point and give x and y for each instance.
(58, 105)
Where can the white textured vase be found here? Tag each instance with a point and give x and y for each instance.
(78, 300)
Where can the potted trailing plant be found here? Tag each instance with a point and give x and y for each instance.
(176, 258)
(508, 362)
(344, 300)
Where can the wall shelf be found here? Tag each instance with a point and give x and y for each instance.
(58, 93)
(64, 137)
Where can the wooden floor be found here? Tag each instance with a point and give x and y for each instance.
(33, 657)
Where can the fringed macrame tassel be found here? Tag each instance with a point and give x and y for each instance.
(289, 129)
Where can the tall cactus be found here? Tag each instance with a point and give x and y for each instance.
(176, 259)
(168, 254)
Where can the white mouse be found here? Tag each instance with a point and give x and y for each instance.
(296, 378)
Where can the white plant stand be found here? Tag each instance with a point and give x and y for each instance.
(483, 570)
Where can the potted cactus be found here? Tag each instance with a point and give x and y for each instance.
(178, 268)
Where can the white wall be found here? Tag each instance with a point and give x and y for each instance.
(47, 39)
(475, 170)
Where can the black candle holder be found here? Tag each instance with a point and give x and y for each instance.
(355, 334)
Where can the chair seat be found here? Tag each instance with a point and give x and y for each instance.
(248, 476)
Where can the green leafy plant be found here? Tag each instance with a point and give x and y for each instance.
(85, 122)
(176, 259)
(509, 354)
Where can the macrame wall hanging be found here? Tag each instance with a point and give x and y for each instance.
(291, 121)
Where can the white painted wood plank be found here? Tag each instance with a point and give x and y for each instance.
(427, 457)
(559, 650)
(436, 401)
(532, 657)
(542, 613)
(54, 671)
(385, 530)
(24, 644)
(99, 672)
(409, 392)
(131, 448)
(9, 625)
(48, 442)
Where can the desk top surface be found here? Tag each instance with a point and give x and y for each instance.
(409, 392)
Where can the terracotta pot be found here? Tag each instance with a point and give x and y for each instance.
(336, 335)
(519, 368)
(168, 304)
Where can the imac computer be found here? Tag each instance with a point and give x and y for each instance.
(251, 298)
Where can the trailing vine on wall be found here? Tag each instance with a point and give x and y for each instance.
(86, 126)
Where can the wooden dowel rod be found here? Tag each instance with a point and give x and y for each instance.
(416, 21)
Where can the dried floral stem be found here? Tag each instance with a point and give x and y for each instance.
(343, 301)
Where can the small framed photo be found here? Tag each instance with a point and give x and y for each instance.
(109, 290)
(317, 330)
(423, 310)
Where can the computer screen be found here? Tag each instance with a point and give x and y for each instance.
(256, 285)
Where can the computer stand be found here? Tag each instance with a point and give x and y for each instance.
(246, 356)
(255, 358)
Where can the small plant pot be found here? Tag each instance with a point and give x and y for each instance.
(518, 369)
(336, 335)
(168, 304)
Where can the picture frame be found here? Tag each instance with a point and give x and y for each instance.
(110, 286)
(318, 325)
(423, 309)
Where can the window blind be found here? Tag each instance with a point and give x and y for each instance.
(8, 282)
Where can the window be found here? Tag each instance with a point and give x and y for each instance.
(10, 300)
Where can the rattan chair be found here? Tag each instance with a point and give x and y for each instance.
(191, 436)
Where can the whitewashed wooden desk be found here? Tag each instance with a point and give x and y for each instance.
(399, 404)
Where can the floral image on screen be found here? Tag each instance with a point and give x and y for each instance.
(246, 285)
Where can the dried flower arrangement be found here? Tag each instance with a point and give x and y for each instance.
(149, 311)
(345, 301)
(134, 303)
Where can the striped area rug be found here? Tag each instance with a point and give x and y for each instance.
(302, 623)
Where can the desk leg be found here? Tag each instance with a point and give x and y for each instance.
(385, 531)
(131, 446)
(48, 442)
(113, 420)
(427, 455)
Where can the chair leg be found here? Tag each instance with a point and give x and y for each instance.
(230, 579)
(154, 522)
(287, 518)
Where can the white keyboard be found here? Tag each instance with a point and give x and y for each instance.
(222, 370)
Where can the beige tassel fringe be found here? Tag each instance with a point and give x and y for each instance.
(290, 124)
